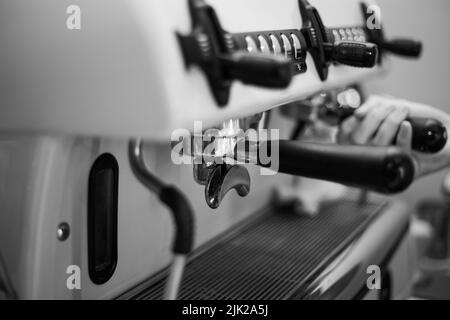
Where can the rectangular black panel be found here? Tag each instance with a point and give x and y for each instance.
(102, 218)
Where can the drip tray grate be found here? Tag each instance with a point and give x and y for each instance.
(270, 256)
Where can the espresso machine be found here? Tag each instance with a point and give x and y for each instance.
(109, 190)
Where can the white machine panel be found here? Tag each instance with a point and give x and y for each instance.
(123, 73)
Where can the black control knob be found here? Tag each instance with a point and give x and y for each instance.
(403, 47)
(214, 50)
(352, 53)
(259, 69)
(429, 135)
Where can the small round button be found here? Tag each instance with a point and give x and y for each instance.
(286, 46)
(63, 231)
(263, 45)
(276, 47)
(252, 47)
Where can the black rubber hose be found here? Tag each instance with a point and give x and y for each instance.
(183, 216)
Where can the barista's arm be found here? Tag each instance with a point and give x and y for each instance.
(382, 121)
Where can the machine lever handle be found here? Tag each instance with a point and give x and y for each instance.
(259, 69)
(429, 135)
(404, 47)
(352, 53)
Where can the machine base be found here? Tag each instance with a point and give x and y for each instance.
(276, 255)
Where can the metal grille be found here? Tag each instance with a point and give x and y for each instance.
(270, 257)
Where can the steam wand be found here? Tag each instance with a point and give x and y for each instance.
(181, 211)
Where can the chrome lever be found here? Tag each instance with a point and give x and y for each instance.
(223, 179)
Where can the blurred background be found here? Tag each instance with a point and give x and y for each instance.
(425, 80)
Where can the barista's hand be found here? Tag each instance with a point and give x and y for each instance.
(381, 122)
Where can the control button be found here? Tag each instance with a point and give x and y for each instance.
(349, 34)
(362, 35)
(286, 46)
(343, 34)
(336, 35)
(297, 46)
(263, 45)
(252, 47)
(355, 33)
(276, 47)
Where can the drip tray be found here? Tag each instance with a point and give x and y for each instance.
(268, 257)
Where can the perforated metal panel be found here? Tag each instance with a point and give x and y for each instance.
(270, 257)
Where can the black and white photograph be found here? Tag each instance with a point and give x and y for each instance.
(236, 157)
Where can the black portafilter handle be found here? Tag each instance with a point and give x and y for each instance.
(259, 69)
(403, 47)
(386, 170)
(352, 53)
(428, 135)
